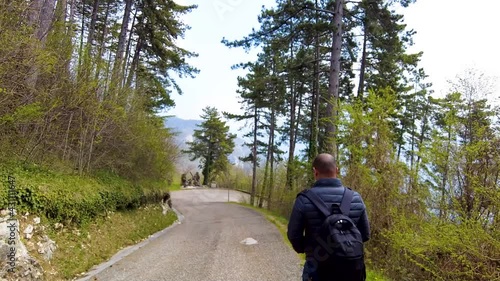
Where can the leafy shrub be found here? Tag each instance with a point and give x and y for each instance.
(71, 198)
(438, 250)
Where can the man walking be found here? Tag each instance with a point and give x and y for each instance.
(329, 224)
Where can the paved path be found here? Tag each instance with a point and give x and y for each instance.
(206, 245)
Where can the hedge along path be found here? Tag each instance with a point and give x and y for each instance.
(72, 199)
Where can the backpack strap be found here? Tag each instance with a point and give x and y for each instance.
(345, 205)
(314, 198)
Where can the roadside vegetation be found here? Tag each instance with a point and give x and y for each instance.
(73, 199)
(96, 242)
(341, 77)
(281, 224)
(81, 86)
(97, 215)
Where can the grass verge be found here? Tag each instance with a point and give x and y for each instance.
(281, 223)
(101, 213)
(175, 186)
(78, 250)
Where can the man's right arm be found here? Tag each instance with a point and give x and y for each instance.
(296, 226)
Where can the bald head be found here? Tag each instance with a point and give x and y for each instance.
(325, 166)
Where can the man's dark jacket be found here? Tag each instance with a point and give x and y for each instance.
(305, 216)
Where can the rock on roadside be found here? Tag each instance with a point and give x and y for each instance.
(17, 264)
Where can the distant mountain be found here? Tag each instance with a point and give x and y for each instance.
(184, 129)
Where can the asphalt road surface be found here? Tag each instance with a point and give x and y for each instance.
(206, 245)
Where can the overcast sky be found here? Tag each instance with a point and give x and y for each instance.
(453, 34)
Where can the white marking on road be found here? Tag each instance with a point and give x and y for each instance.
(249, 241)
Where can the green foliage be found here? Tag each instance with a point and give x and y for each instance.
(62, 102)
(444, 251)
(23, 114)
(433, 214)
(79, 93)
(234, 178)
(74, 199)
(157, 27)
(212, 143)
(103, 238)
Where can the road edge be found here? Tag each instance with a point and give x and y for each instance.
(129, 250)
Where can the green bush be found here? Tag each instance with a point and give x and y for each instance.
(71, 198)
(410, 247)
(439, 250)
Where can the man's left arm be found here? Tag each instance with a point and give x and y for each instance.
(296, 227)
(364, 226)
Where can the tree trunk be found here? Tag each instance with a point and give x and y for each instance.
(298, 119)
(71, 19)
(101, 44)
(122, 38)
(271, 158)
(444, 180)
(254, 156)
(82, 33)
(41, 16)
(135, 62)
(270, 145)
(271, 138)
(206, 170)
(91, 146)
(423, 131)
(67, 137)
(361, 85)
(64, 10)
(87, 61)
(313, 141)
(266, 170)
(333, 89)
(291, 136)
(46, 19)
(126, 64)
(93, 19)
(69, 28)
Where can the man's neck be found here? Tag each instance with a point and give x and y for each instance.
(326, 177)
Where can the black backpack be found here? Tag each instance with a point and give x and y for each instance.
(340, 241)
